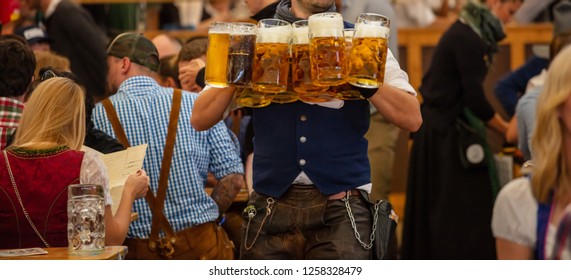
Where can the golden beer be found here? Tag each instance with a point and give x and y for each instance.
(301, 66)
(346, 91)
(288, 95)
(247, 97)
(369, 53)
(217, 55)
(301, 77)
(327, 49)
(271, 67)
(271, 58)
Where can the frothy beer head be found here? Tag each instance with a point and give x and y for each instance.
(241, 28)
(371, 31)
(273, 34)
(325, 25)
(300, 32)
(372, 26)
(219, 27)
(300, 35)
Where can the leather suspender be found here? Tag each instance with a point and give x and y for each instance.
(114, 119)
(159, 220)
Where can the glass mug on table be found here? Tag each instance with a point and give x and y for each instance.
(240, 54)
(85, 219)
(301, 67)
(346, 91)
(369, 52)
(327, 49)
(217, 54)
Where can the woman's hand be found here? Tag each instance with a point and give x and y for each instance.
(137, 184)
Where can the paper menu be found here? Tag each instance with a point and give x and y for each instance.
(124, 163)
(119, 166)
(22, 252)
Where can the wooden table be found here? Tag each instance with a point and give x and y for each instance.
(60, 253)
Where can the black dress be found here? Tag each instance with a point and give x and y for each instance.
(449, 209)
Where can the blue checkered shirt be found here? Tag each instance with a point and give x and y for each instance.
(143, 108)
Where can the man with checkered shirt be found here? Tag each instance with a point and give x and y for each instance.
(143, 109)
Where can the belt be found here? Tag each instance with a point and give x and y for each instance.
(343, 194)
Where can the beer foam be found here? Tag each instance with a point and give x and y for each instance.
(214, 31)
(371, 31)
(325, 25)
(275, 34)
(300, 35)
(243, 29)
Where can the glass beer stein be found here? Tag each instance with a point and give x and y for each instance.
(288, 95)
(346, 91)
(369, 52)
(85, 219)
(247, 97)
(271, 58)
(301, 68)
(327, 49)
(217, 54)
(240, 54)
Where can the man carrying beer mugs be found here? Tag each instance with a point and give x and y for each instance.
(311, 170)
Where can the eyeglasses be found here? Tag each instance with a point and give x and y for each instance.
(48, 74)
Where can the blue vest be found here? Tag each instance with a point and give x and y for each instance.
(327, 144)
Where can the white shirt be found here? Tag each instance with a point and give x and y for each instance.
(515, 216)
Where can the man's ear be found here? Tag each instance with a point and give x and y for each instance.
(125, 65)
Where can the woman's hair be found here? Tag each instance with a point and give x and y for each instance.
(169, 68)
(54, 116)
(547, 139)
(49, 59)
(193, 48)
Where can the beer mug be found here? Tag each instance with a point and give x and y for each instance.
(85, 219)
(369, 52)
(301, 68)
(346, 91)
(247, 97)
(240, 54)
(217, 54)
(327, 49)
(288, 95)
(271, 58)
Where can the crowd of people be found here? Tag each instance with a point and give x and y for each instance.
(312, 170)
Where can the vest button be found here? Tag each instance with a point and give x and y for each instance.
(302, 139)
(302, 162)
(303, 118)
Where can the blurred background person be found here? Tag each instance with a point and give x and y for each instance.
(167, 76)
(166, 45)
(191, 64)
(37, 38)
(525, 115)
(528, 210)
(75, 35)
(16, 77)
(449, 205)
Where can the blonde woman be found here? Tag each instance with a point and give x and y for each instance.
(43, 160)
(528, 210)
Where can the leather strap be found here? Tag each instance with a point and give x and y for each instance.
(165, 170)
(114, 119)
(156, 204)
